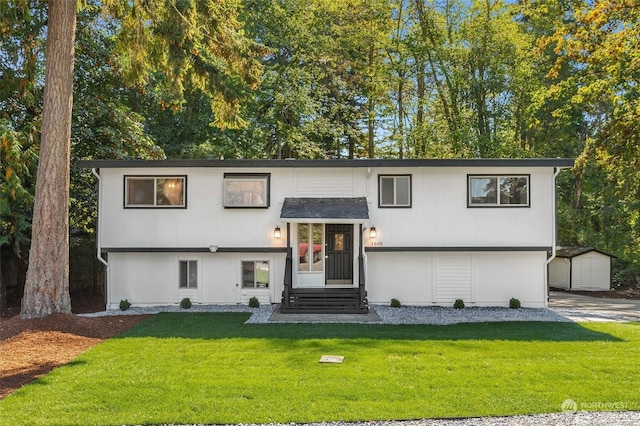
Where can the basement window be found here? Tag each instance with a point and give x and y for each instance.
(255, 274)
(188, 274)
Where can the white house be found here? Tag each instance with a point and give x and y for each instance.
(327, 235)
(581, 268)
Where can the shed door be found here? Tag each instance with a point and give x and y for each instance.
(339, 254)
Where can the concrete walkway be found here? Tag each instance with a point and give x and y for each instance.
(584, 308)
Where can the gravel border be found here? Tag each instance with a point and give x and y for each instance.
(581, 418)
(259, 315)
(405, 315)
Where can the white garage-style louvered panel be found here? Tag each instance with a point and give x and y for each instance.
(326, 183)
(452, 277)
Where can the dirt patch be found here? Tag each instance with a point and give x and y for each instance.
(81, 303)
(625, 293)
(31, 348)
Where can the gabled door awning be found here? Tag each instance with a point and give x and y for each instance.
(338, 210)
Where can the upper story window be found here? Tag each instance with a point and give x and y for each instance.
(246, 190)
(155, 191)
(498, 191)
(394, 190)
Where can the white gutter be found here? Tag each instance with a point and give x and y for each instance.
(554, 237)
(99, 239)
(98, 222)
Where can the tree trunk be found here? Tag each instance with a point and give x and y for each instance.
(3, 286)
(372, 113)
(421, 95)
(400, 116)
(47, 286)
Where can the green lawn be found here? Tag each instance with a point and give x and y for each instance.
(212, 368)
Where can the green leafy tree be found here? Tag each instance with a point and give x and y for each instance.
(199, 42)
(470, 60)
(104, 122)
(601, 41)
(321, 84)
(21, 27)
(168, 46)
(18, 159)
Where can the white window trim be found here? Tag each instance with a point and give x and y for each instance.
(395, 191)
(188, 262)
(155, 205)
(309, 269)
(234, 177)
(255, 276)
(498, 203)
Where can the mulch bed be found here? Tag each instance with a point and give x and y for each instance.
(30, 349)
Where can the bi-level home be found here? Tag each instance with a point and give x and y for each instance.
(327, 235)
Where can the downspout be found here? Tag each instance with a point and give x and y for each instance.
(98, 222)
(361, 276)
(288, 271)
(99, 242)
(556, 172)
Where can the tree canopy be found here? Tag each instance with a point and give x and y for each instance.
(326, 79)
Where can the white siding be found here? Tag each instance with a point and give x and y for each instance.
(152, 278)
(499, 276)
(143, 278)
(591, 271)
(407, 277)
(479, 279)
(559, 273)
(325, 183)
(452, 277)
(203, 223)
(438, 217)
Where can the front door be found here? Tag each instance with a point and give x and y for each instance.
(339, 254)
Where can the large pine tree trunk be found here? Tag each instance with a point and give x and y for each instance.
(47, 286)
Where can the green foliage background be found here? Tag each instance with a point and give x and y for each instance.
(326, 79)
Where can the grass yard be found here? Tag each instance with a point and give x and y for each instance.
(211, 368)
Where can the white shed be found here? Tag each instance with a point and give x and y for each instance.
(581, 268)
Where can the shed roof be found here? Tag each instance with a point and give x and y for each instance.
(325, 208)
(264, 163)
(570, 252)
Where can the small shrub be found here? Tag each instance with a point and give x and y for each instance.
(185, 303)
(124, 305)
(514, 303)
(254, 302)
(458, 304)
(395, 303)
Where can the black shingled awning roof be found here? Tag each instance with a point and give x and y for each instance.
(325, 208)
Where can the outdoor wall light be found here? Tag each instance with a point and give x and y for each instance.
(213, 248)
(372, 232)
(277, 233)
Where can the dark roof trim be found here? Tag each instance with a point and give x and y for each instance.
(461, 162)
(193, 250)
(571, 252)
(325, 208)
(403, 249)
